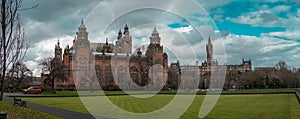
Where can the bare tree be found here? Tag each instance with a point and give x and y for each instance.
(54, 70)
(18, 75)
(12, 45)
(281, 65)
(285, 76)
(297, 76)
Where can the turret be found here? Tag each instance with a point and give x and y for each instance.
(124, 42)
(58, 52)
(155, 39)
(82, 34)
(106, 41)
(120, 34)
(126, 29)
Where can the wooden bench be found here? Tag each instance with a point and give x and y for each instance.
(19, 102)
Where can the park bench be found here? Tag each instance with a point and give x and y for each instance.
(19, 102)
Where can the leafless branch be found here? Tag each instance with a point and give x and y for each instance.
(13, 45)
(28, 8)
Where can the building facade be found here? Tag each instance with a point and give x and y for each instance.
(115, 65)
(203, 71)
(112, 65)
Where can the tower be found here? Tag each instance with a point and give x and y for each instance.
(58, 53)
(106, 47)
(124, 42)
(246, 65)
(82, 46)
(81, 57)
(66, 56)
(155, 50)
(156, 56)
(155, 39)
(209, 52)
(82, 35)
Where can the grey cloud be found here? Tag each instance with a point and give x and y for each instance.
(53, 18)
(49, 10)
(58, 18)
(208, 4)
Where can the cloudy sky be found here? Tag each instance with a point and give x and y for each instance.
(264, 31)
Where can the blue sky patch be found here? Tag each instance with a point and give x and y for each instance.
(245, 29)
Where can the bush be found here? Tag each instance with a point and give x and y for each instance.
(70, 89)
(47, 89)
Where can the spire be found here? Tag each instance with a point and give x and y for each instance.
(209, 52)
(58, 42)
(155, 32)
(57, 45)
(82, 26)
(139, 52)
(126, 29)
(209, 45)
(74, 39)
(120, 34)
(106, 41)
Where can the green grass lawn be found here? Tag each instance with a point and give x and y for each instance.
(74, 93)
(16, 112)
(274, 106)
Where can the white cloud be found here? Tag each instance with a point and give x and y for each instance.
(184, 29)
(256, 18)
(34, 67)
(37, 53)
(282, 8)
(289, 34)
(267, 49)
(263, 50)
(267, 16)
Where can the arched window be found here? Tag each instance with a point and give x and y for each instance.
(121, 75)
(98, 71)
(82, 62)
(134, 75)
(109, 75)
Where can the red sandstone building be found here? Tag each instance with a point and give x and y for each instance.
(111, 64)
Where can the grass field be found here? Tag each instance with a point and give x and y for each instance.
(275, 106)
(16, 112)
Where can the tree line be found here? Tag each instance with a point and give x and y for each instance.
(279, 76)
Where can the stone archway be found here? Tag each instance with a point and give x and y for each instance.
(121, 76)
(135, 75)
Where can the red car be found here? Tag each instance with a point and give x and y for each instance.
(32, 90)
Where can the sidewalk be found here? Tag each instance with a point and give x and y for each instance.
(66, 114)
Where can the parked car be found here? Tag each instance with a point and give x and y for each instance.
(32, 90)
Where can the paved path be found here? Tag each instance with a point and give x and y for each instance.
(67, 114)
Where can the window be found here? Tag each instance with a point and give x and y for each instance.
(121, 75)
(82, 62)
